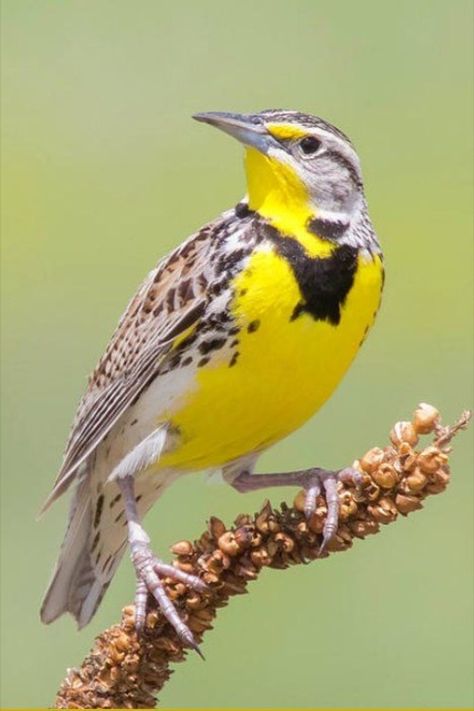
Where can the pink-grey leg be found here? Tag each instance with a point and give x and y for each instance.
(313, 481)
(149, 571)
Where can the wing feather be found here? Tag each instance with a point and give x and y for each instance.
(169, 303)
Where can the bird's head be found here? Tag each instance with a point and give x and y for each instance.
(298, 166)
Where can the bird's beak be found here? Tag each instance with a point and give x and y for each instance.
(249, 129)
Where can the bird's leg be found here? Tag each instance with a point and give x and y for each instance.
(149, 570)
(313, 481)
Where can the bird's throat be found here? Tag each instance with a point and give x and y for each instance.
(278, 194)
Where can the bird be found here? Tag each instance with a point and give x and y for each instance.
(232, 342)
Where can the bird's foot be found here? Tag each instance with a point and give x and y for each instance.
(149, 571)
(314, 481)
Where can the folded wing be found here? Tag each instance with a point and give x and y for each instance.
(168, 305)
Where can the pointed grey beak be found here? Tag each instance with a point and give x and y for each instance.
(249, 129)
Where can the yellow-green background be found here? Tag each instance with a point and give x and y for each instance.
(103, 172)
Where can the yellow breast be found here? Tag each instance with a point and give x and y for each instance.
(285, 369)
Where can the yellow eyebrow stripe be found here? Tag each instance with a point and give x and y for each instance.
(285, 130)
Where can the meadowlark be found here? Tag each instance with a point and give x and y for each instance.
(232, 342)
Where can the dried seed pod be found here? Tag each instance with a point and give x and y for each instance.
(179, 587)
(261, 522)
(335, 544)
(316, 522)
(245, 519)
(122, 642)
(416, 481)
(260, 557)
(246, 570)
(244, 535)
(131, 663)
(182, 548)
(195, 602)
(128, 614)
(302, 527)
(437, 482)
(115, 657)
(372, 492)
(272, 548)
(347, 506)
(384, 511)
(425, 418)
(216, 527)
(256, 539)
(372, 460)
(204, 614)
(404, 450)
(386, 476)
(172, 593)
(115, 675)
(197, 625)
(403, 432)
(409, 463)
(210, 578)
(361, 529)
(262, 518)
(156, 656)
(406, 503)
(285, 541)
(345, 532)
(341, 540)
(171, 647)
(152, 619)
(185, 567)
(228, 543)
(218, 561)
(234, 585)
(299, 500)
(429, 460)
(273, 525)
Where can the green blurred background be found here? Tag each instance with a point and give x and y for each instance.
(103, 172)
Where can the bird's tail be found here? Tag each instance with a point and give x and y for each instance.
(95, 541)
(79, 583)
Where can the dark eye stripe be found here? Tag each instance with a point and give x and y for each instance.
(343, 162)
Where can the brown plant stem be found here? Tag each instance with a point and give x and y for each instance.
(122, 671)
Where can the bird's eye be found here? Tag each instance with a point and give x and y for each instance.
(309, 145)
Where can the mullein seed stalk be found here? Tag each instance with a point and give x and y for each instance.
(124, 671)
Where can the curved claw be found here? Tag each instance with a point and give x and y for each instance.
(319, 479)
(149, 571)
(155, 587)
(197, 649)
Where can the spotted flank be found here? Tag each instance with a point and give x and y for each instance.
(232, 342)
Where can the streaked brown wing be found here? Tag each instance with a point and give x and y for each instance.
(170, 301)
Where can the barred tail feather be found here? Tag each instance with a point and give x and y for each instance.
(95, 541)
(77, 586)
